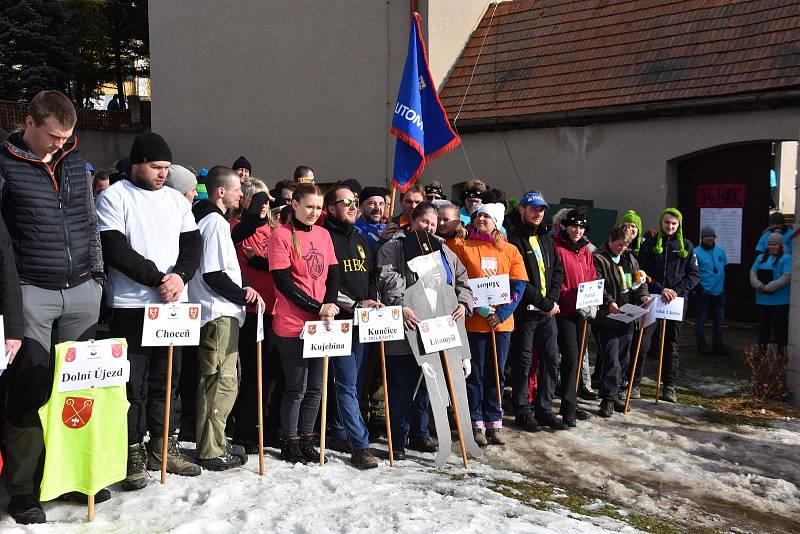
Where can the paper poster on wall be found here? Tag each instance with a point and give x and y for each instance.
(727, 223)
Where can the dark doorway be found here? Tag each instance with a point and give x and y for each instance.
(745, 165)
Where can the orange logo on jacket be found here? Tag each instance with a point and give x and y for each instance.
(77, 411)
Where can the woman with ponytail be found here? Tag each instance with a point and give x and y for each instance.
(487, 253)
(304, 267)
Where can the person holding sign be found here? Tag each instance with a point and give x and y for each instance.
(616, 265)
(357, 289)
(408, 390)
(572, 248)
(535, 317)
(770, 277)
(152, 247)
(669, 260)
(487, 253)
(306, 274)
(217, 287)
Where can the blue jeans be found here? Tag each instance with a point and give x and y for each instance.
(348, 422)
(705, 305)
(409, 414)
(484, 408)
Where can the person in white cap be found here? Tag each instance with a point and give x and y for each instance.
(485, 253)
(182, 180)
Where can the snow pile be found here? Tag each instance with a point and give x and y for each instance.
(409, 498)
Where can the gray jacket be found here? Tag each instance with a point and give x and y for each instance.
(394, 276)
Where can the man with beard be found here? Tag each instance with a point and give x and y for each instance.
(373, 203)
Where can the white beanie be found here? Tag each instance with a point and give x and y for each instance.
(181, 178)
(494, 210)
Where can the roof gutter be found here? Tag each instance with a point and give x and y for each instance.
(582, 117)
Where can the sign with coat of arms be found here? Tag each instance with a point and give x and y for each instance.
(490, 290)
(320, 341)
(94, 364)
(439, 333)
(380, 324)
(177, 323)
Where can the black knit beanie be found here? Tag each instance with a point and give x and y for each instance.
(150, 146)
(242, 163)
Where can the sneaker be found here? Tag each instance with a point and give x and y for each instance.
(177, 462)
(551, 420)
(526, 421)
(495, 436)
(398, 453)
(76, 496)
(619, 406)
(339, 445)
(290, 452)
(427, 444)
(480, 438)
(309, 450)
(582, 414)
(137, 476)
(226, 460)
(26, 509)
(669, 394)
(363, 459)
(606, 408)
(587, 394)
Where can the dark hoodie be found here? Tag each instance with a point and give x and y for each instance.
(357, 271)
(614, 289)
(668, 269)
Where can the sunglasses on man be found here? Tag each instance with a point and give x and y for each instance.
(347, 202)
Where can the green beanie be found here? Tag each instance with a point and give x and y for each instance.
(658, 249)
(633, 217)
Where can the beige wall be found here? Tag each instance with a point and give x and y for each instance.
(786, 162)
(450, 24)
(620, 165)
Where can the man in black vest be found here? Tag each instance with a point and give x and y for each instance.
(47, 204)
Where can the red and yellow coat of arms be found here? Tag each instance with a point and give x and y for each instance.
(152, 313)
(396, 314)
(77, 411)
(364, 316)
(194, 311)
(345, 328)
(312, 329)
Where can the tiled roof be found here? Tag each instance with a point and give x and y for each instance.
(555, 56)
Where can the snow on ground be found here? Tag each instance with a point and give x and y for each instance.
(409, 498)
(666, 460)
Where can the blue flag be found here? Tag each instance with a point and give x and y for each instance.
(419, 122)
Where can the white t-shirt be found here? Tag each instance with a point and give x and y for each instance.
(218, 255)
(152, 222)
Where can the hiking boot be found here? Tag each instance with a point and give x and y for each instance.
(177, 463)
(340, 445)
(587, 394)
(582, 415)
(569, 420)
(76, 496)
(480, 438)
(551, 420)
(495, 436)
(427, 444)
(635, 393)
(290, 452)
(308, 449)
(137, 476)
(606, 408)
(669, 394)
(398, 453)
(227, 460)
(619, 406)
(26, 509)
(526, 421)
(363, 459)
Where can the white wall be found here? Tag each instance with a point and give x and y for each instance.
(787, 175)
(620, 165)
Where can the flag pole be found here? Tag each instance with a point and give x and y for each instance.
(260, 409)
(167, 408)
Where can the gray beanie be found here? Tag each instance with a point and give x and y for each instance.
(181, 178)
(707, 230)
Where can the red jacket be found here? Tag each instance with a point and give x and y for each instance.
(578, 268)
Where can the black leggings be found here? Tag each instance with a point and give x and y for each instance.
(775, 320)
(301, 398)
(569, 331)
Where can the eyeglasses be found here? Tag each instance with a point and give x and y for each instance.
(347, 202)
